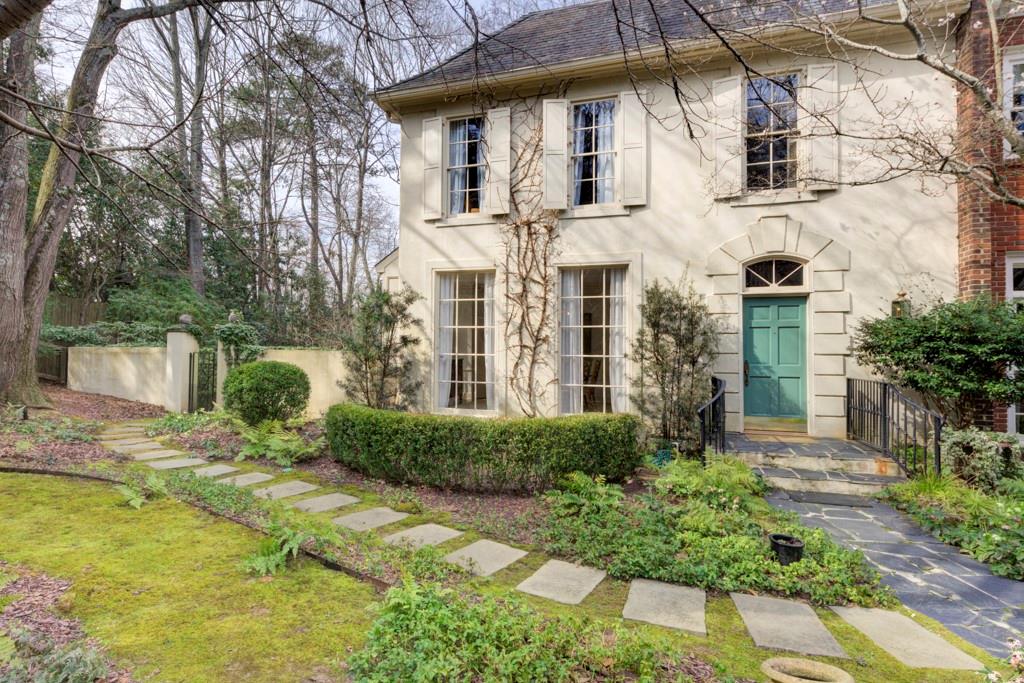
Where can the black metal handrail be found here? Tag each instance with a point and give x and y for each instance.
(712, 419)
(882, 416)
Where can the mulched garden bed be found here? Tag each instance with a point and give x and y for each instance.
(508, 516)
(97, 406)
(35, 596)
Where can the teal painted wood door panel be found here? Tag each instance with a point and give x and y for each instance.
(775, 351)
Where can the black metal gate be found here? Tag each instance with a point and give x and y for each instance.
(712, 419)
(202, 386)
(880, 415)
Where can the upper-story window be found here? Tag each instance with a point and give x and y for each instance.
(593, 152)
(771, 132)
(467, 167)
(1013, 78)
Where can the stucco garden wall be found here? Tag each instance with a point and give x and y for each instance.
(325, 367)
(134, 373)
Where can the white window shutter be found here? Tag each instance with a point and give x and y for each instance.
(633, 169)
(819, 104)
(433, 187)
(556, 146)
(727, 104)
(498, 143)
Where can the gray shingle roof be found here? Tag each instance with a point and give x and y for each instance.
(602, 28)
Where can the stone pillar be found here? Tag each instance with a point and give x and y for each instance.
(180, 345)
(222, 373)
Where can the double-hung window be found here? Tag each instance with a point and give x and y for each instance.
(1013, 87)
(1015, 295)
(467, 166)
(593, 340)
(771, 132)
(593, 153)
(465, 341)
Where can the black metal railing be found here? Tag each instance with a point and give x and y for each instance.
(712, 419)
(202, 386)
(880, 415)
(52, 363)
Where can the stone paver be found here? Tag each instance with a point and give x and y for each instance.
(563, 582)
(786, 625)
(666, 604)
(126, 441)
(247, 479)
(157, 455)
(424, 534)
(137, 447)
(370, 519)
(906, 640)
(124, 429)
(176, 463)
(324, 503)
(214, 470)
(289, 488)
(927, 575)
(485, 557)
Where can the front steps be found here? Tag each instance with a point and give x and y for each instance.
(797, 462)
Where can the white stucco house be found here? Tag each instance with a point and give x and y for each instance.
(745, 189)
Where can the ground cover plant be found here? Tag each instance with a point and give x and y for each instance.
(430, 633)
(989, 526)
(526, 454)
(702, 527)
(51, 441)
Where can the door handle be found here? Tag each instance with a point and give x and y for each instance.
(746, 373)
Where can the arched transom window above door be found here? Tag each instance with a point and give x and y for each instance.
(774, 274)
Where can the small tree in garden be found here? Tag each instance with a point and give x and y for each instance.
(959, 356)
(675, 350)
(379, 352)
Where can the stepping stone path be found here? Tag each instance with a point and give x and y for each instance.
(424, 534)
(666, 604)
(906, 640)
(290, 488)
(325, 503)
(176, 463)
(247, 479)
(772, 622)
(786, 625)
(214, 470)
(484, 557)
(370, 519)
(562, 582)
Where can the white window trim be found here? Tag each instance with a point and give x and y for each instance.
(775, 290)
(435, 275)
(449, 218)
(591, 210)
(1011, 57)
(1013, 259)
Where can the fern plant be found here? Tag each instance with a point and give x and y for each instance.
(273, 553)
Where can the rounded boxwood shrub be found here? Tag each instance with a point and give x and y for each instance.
(480, 454)
(266, 390)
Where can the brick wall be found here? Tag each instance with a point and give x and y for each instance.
(987, 229)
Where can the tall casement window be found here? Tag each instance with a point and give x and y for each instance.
(465, 341)
(593, 340)
(1015, 294)
(467, 168)
(771, 132)
(593, 152)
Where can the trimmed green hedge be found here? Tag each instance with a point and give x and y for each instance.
(480, 454)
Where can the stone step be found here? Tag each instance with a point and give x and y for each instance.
(485, 557)
(140, 447)
(370, 519)
(562, 582)
(215, 470)
(125, 441)
(786, 625)
(830, 481)
(247, 479)
(157, 455)
(324, 503)
(285, 490)
(175, 464)
(850, 463)
(666, 604)
(906, 640)
(424, 534)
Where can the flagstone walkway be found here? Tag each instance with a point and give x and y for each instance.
(928, 576)
(773, 623)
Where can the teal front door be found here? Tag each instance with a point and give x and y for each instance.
(775, 362)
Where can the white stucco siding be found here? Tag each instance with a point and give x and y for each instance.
(897, 234)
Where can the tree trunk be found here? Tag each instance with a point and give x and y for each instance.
(14, 203)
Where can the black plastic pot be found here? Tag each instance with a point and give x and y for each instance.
(787, 549)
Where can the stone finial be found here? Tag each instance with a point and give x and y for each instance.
(185, 319)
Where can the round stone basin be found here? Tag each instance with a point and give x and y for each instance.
(793, 670)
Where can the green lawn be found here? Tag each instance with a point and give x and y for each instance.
(161, 587)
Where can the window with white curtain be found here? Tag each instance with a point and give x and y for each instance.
(593, 340)
(593, 152)
(467, 167)
(465, 341)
